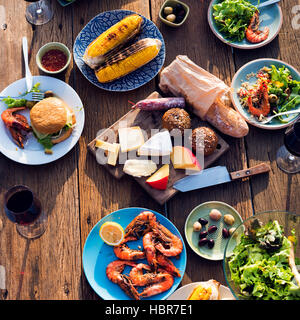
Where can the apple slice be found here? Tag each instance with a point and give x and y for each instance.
(183, 158)
(159, 180)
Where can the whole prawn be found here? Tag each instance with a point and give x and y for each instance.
(141, 279)
(17, 125)
(168, 244)
(164, 281)
(114, 273)
(265, 106)
(167, 265)
(140, 225)
(123, 252)
(253, 34)
(150, 250)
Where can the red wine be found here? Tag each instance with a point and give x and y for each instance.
(21, 206)
(292, 139)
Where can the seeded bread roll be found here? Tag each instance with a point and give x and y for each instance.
(176, 118)
(204, 140)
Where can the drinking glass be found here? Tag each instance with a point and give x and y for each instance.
(24, 209)
(288, 155)
(38, 12)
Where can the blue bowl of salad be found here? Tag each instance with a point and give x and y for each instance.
(264, 87)
(262, 257)
(230, 19)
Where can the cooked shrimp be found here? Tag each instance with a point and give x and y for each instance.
(265, 105)
(140, 225)
(253, 34)
(17, 125)
(139, 278)
(150, 250)
(123, 252)
(165, 282)
(169, 244)
(114, 273)
(167, 265)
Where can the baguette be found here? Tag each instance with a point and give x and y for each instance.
(226, 119)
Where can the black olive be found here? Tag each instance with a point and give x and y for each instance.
(202, 234)
(203, 242)
(210, 243)
(203, 221)
(212, 228)
(225, 233)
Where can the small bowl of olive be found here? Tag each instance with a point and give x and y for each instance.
(174, 13)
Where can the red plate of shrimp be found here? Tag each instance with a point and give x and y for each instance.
(149, 263)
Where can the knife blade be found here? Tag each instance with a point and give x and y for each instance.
(28, 75)
(217, 175)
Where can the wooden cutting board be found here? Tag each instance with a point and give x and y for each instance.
(152, 120)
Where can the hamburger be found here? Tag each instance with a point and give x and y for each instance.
(52, 122)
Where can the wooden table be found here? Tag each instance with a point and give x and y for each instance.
(77, 192)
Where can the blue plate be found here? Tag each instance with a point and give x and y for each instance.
(241, 76)
(133, 80)
(270, 16)
(97, 255)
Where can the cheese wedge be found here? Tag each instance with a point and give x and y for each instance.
(139, 168)
(112, 150)
(158, 145)
(130, 138)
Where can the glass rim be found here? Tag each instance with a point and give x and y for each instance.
(10, 192)
(249, 218)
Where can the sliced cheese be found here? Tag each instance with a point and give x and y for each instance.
(130, 138)
(113, 155)
(112, 150)
(139, 168)
(158, 145)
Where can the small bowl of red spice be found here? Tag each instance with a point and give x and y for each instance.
(53, 57)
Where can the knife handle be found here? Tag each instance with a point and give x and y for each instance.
(260, 168)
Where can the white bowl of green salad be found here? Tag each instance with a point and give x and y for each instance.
(262, 257)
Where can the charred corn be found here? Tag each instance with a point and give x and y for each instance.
(128, 60)
(112, 39)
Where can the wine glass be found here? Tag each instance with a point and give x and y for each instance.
(288, 155)
(24, 209)
(39, 12)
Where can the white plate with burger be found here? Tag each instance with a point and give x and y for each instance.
(204, 290)
(55, 123)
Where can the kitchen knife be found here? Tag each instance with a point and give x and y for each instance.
(217, 175)
(28, 75)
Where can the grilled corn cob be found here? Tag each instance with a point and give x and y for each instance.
(128, 60)
(112, 39)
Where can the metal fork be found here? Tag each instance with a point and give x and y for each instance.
(268, 119)
(31, 96)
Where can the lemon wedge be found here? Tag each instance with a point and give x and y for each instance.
(111, 233)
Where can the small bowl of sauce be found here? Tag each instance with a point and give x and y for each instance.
(53, 57)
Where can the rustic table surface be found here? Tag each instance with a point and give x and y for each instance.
(77, 192)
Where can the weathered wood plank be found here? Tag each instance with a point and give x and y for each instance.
(100, 193)
(196, 40)
(280, 191)
(48, 267)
